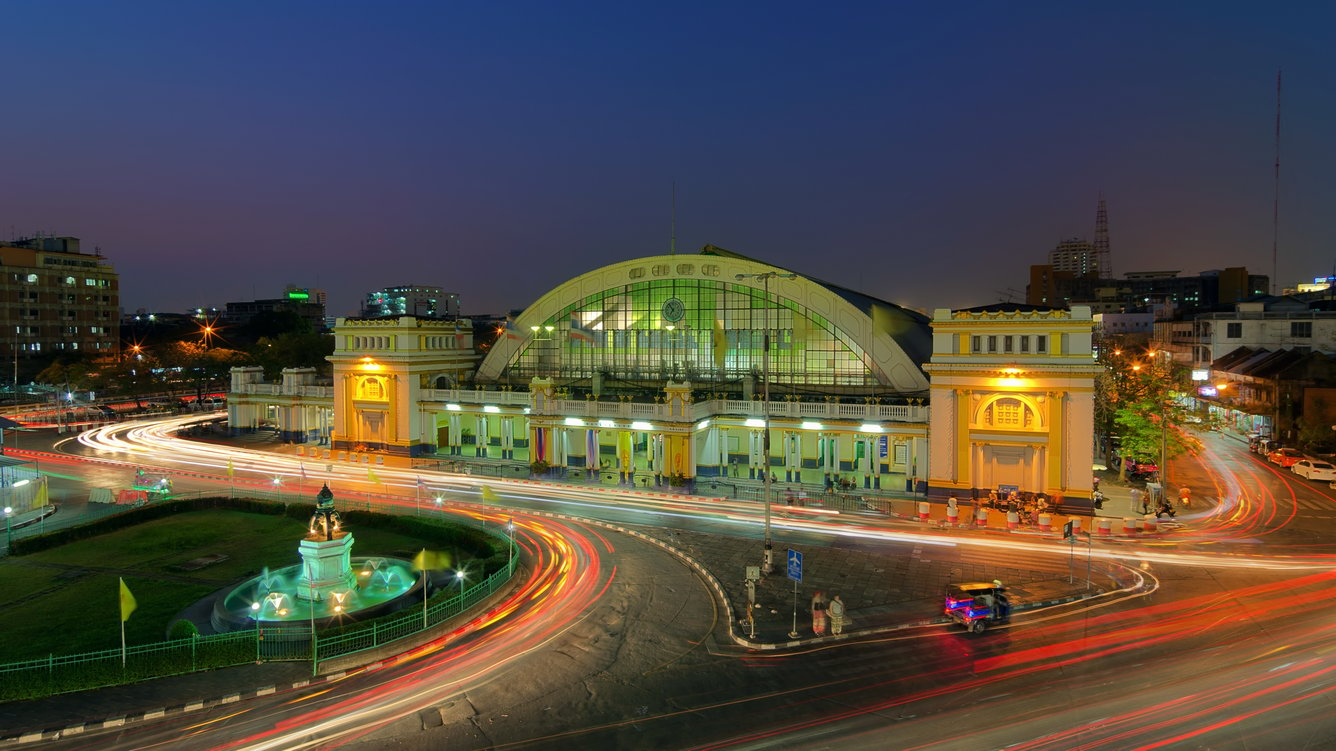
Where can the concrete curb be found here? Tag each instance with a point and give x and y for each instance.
(156, 713)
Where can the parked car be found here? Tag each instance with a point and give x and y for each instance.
(1136, 469)
(1285, 457)
(1315, 469)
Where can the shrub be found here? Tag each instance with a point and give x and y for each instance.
(182, 629)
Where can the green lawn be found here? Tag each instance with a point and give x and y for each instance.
(64, 600)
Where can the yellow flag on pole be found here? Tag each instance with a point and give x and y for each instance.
(489, 495)
(371, 475)
(431, 560)
(43, 498)
(128, 603)
(799, 332)
(720, 343)
(230, 471)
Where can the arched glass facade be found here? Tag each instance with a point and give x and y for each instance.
(695, 329)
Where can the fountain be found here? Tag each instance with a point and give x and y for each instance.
(327, 585)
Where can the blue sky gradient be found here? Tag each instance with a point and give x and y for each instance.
(926, 155)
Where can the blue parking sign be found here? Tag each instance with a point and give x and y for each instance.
(795, 565)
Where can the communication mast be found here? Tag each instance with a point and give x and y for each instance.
(1103, 259)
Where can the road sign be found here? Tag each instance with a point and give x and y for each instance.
(1067, 530)
(795, 565)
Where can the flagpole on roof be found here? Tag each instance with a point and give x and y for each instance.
(672, 240)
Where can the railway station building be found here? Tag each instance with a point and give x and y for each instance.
(654, 372)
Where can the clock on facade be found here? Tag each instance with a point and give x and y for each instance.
(673, 310)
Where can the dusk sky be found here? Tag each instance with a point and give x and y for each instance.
(922, 153)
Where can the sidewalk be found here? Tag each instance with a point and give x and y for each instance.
(881, 591)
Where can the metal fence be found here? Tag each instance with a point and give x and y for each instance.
(63, 673)
(411, 621)
(58, 674)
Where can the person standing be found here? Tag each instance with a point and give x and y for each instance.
(1137, 506)
(819, 613)
(836, 611)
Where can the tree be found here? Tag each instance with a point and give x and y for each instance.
(1140, 399)
(202, 366)
(292, 351)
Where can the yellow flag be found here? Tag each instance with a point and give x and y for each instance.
(431, 560)
(489, 495)
(128, 603)
(371, 475)
(720, 344)
(43, 499)
(799, 331)
(882, 320)
(230, 471)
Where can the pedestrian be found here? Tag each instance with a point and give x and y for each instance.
(1094, 481)
(1183, 495)
(819, 613)
(1138, 504)
(836, 611)
(951, 509)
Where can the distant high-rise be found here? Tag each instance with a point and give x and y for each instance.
(63, 301)
(1076, 256)
(411, 300)
(1081, 257)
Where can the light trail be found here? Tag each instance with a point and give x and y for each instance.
(138, 444)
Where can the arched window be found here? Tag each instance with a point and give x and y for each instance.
(1010, 413)
(372, 389)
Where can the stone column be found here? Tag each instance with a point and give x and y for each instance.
(479, 435)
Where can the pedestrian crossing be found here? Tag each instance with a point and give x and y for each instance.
(1316, 504)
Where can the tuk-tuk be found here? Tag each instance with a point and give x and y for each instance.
(977, 605)
(155, 484)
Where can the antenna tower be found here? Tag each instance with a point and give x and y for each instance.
(1275, 198)
(1103, 259)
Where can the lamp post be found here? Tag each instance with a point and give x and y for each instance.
(9, 532)
(767, 558)
(1164, 404)
(510, 539)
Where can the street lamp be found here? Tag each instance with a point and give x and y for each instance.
(9, 532)
(459, 577)
(1164, 404)
(767, 558)
(510, 535)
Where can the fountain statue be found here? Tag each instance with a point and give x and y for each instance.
(326, 552)
(329, 584)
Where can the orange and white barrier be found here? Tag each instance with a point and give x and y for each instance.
(924, 508)
(1130, 527)
(981, 517)
(952, 515)
(1013, 520)
(1104, 527)
(1045, 523)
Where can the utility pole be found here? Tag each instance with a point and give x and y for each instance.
(767, 559)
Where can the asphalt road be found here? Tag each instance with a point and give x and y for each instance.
(1229, 648)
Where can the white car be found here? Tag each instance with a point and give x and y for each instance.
(1315, 469)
